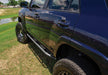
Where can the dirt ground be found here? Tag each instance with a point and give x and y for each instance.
(1, 11)
(20, 60)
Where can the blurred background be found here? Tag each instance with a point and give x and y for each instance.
(10, 3)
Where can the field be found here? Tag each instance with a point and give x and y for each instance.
(17, 58)
(8, 12)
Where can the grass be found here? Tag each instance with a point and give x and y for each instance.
(19, 59)
(8, 16)
(7, 36)
(7, 13)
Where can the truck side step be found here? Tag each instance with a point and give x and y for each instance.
(42, 49)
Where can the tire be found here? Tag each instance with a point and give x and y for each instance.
(69, 67)
(20, 34)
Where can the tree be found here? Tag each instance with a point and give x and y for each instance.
(12, 2)
(1, 3)
(19, 1)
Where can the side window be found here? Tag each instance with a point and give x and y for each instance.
(37, 3)
(71, 5)
(106, 3)
(74, 6)
(59, 4)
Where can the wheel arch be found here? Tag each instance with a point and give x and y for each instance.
(64, 50)
(22, 20)
(19, 19)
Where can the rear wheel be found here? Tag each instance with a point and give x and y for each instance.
(21, 35)
(71, 67)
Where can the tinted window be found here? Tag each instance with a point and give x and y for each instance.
(72, 5)
(59, 4)
(106, 2)
(37, 3)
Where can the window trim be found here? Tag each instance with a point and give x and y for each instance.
(106, 4)
(64, 10)
(30, 4)
(38, 8)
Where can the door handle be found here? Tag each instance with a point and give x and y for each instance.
(63, 24)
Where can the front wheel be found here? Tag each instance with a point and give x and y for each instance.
(21, 35)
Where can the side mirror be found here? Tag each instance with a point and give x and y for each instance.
(24, 4)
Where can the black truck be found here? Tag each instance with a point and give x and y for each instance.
(74, 32)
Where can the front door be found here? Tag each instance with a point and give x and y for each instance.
(34, 24)
(61, 16)
(49, 24)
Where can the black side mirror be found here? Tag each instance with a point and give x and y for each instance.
(24, 4)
